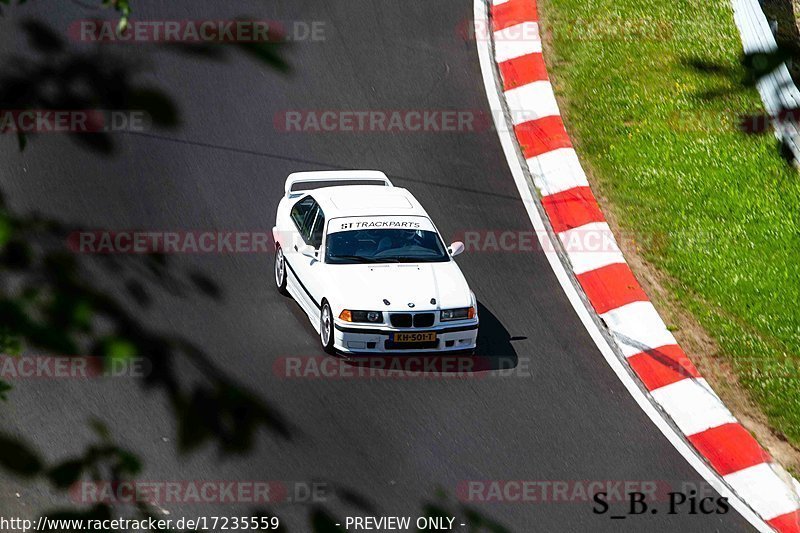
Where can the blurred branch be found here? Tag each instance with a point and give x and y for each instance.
(62, 77)
(122, 7)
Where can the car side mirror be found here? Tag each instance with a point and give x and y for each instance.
(456, 248)
(309, 251)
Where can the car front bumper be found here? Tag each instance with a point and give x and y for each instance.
(350, 338)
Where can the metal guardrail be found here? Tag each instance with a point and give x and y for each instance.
(777, 90)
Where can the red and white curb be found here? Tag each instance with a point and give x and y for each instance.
(608, 283)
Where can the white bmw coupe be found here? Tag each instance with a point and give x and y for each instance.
(365, 262)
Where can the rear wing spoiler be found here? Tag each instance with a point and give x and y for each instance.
(335, 177)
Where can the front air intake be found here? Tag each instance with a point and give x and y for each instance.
(401, 320)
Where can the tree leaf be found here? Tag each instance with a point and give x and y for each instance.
(4, 388)
(66, 474)
(18, 458)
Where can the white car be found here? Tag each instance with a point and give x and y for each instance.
(365, 262)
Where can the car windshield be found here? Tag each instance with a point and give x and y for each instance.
(384, 246)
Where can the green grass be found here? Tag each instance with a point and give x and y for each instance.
(660, 138)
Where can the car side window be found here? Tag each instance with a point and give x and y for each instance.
(303, 214)
(315, 238)
(308, 224)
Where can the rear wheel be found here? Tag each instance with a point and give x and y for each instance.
(326, 328)
(280, 270)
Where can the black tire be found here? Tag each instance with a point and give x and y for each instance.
(326, 328)
(280, 270)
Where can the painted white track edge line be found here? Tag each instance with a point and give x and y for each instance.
(509, 148)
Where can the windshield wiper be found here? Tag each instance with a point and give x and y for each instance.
(362, 259)
(359, 258)
(420, 259)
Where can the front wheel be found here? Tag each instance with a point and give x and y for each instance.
(280, 270)
(326, 328)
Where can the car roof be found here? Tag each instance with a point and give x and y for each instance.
(366, 200)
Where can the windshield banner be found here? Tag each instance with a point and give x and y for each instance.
(380, 222)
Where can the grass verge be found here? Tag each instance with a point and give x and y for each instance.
(651, 95)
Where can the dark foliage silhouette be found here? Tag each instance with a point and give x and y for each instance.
(49, 299)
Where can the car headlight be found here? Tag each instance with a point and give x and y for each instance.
(457, 314)
(361, 316)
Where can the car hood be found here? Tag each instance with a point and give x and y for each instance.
(364, 287)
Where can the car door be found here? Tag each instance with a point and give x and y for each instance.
(303, 214)
(310, 268)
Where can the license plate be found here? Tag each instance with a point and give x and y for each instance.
(429, 336)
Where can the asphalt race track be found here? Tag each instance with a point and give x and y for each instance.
(394, 444)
